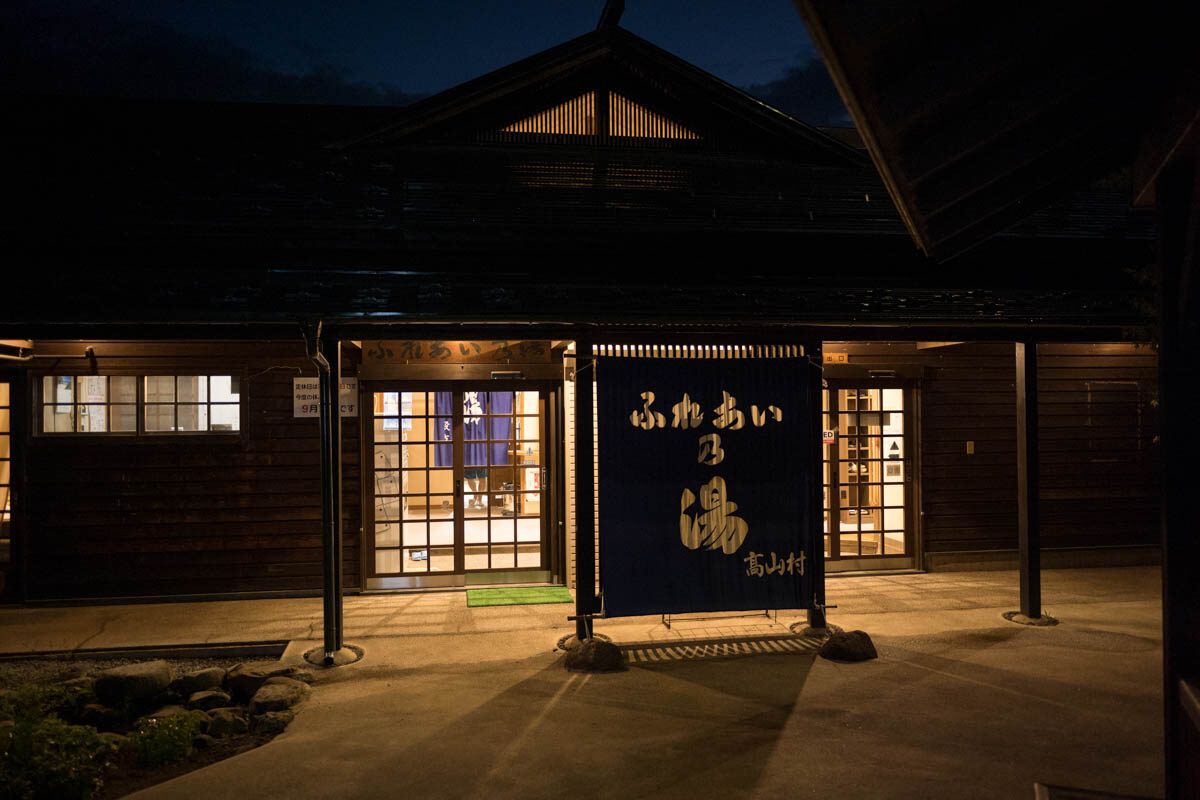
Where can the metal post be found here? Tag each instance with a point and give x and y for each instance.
(812, 353)
(1028, 522)
(585, 485)
(331, 490)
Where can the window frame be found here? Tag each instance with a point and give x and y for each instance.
(140, 431)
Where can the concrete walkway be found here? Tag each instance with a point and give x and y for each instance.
(458, 702)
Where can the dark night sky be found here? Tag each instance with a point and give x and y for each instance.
(372, 52)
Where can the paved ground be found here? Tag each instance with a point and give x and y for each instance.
(458, 702)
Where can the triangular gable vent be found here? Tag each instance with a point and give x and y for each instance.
(577, 117)
(627, 118)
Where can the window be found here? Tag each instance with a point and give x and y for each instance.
(150, 404)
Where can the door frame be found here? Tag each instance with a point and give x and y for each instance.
(20, 418)
(549, 423)
(913, 545)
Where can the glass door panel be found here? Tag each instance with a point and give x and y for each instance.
(865, 486)
(413, 483)
(458, 476)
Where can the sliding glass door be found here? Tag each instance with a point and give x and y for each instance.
(457, 481)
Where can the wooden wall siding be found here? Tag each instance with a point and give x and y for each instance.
(202, 514)
(1100, 481)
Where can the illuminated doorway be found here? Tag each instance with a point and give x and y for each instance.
(457, 485)
(868, 476)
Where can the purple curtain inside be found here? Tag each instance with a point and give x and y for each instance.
(475, 428)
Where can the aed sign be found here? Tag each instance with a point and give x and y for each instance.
(828, 437)
(306, 397)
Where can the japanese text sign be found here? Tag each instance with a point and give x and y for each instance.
(437, 351)
(306, 397)
(703, 484)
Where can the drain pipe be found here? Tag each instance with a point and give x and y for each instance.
(331, 482)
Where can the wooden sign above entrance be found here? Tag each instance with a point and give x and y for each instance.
(436, 351)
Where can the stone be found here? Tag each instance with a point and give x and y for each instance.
(6, 729)
(83, 682)
(595, 655)
(202, 741)
(121, 686)
(278, 694)
(271, 722)
(208, 699)
(167, 711)
(201, 680)
(302, 675)
(848, 646)
(226, 722)
(100, 717)
(72, 671)
(245, 679)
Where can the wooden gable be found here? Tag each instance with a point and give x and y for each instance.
(580, 116)
(608, 87)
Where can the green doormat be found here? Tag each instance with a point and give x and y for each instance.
(518, 596)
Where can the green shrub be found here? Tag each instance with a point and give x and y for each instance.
(166, 739)
(33, 701)
(49, 758)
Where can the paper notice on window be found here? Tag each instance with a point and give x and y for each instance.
(306, 397)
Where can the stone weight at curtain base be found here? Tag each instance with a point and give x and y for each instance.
(703, 483)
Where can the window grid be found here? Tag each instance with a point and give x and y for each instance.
(99, 405)
(866, 465)
(414, 472)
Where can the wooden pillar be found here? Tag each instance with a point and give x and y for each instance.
(1178, 206)
(330, 372)
(1028, 523)
(816, 466)
(585, 486)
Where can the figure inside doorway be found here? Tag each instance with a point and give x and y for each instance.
(474, 471)
(485, 440)
(475, 495)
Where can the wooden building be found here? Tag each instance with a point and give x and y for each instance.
(176, 261)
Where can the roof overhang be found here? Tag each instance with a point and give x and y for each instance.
(976, 115)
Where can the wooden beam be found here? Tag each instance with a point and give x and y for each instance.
(1028, 529)
(816, 461)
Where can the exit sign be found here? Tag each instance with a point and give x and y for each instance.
(836, 358)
